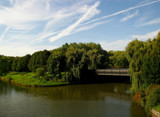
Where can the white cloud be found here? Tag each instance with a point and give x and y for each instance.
(144, 37)
(27, 15)
(16, 50)
(90, 13)
(121, 44)
(66, 15)
(151, 22)
(42, 36)
(83, 28)
(28, 20)
(22, 22)
(129, 16)
(24, 14)
(115, 45)
(69, 29)
(121, 11)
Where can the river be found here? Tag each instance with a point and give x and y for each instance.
(89, 100)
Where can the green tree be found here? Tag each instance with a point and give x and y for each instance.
(4, 65)
(56, 63)
(83, 58)
(144, 58)
(20, 64)
(38, 60)
(118, 59)
(151, 63)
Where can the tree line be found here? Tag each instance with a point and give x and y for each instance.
(78, 60)
(74, 62)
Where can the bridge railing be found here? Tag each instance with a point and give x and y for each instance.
(113, 71)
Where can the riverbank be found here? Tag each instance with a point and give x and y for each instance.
(149, 99)
(31, 80)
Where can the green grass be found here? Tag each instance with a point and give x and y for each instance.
(157, 108)
(31, 79)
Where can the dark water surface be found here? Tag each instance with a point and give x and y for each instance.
(93, 100)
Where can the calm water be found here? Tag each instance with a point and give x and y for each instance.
(93, 100)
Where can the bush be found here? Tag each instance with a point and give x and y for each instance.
(40, 72)
(153, 100)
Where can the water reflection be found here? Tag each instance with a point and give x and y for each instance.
(94, 100)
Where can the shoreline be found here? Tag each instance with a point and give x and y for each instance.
(32, 85)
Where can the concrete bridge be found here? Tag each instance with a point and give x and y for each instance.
(113, 72)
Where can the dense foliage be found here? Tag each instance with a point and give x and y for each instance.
(118, 59)
(77, 60)
(38, 60)
(20, 64)
(5, 64)
(144, 58)
(153, 99)
(73, 63)
(144, 68)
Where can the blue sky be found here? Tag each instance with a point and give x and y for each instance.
(27, 26)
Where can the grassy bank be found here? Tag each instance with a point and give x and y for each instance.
(30, 79)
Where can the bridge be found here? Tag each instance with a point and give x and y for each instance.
(113, 72)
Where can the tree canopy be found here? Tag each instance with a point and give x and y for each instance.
(144, 58)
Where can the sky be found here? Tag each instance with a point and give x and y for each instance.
(27, 26)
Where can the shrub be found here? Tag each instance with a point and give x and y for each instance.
(153, 100)
(40, 72)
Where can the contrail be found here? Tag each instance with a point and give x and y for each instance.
(111, 15)
(120, 12)
(4, 33)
